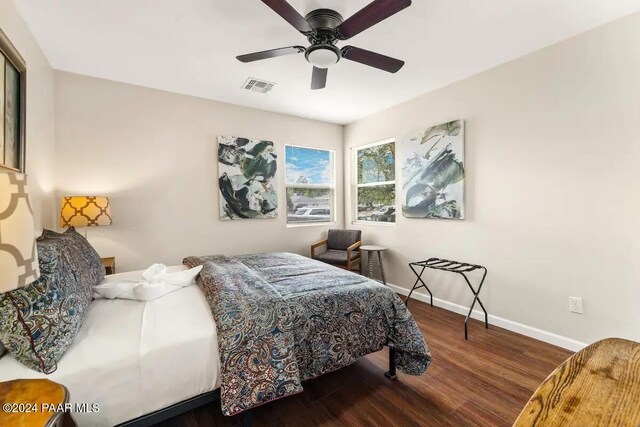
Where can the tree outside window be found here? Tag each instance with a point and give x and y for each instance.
(376, 183)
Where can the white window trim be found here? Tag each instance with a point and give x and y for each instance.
(309, 224)
(331, 187)
(374, 223)
(375, 184)
(355, 185)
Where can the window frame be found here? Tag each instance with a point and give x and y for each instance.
(11, 54)
(331, 187)
(356, 185)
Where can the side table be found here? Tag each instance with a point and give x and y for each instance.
(109, 265)
(596, 386)
(30, 403)
(370, 249)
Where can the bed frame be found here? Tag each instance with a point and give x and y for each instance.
(214, 396)
(173, 410)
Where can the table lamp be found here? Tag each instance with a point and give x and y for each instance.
(18, 255)
(85, 211)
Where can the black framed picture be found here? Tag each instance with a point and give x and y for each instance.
(13, 82)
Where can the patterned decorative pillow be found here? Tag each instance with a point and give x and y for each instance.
(39, 322)
(2, 349)
(85, 262)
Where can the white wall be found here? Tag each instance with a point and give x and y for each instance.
(552, 155)
(155, 155)
(40, 127)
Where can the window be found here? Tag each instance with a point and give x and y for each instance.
(375, 192)
(13, 74)
(310, 177)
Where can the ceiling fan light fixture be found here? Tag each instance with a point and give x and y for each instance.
(322, 55)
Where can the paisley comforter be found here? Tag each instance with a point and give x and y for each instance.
(283, 319)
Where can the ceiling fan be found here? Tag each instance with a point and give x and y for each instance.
(324, 28)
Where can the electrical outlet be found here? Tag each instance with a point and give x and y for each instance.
(575, 305)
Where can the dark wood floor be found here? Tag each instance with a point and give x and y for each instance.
(481, 382)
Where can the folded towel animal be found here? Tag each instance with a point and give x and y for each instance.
(155, 282)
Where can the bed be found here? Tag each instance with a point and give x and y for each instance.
(252, 331)
(130, 356)
(283, 319)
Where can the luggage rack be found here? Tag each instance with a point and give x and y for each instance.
(454, 267)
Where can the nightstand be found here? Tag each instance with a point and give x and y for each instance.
(109, 265)
(30, 403)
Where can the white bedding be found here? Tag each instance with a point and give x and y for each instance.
(155, 282)
(133, 357)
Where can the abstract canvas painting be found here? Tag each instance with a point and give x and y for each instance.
(247, 178)
(433, 172)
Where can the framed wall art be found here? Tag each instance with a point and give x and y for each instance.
(433, 172)
(247, 178)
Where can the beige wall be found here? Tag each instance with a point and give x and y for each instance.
(40, 117)
(154, 154)
(553, 193)
(552, 150)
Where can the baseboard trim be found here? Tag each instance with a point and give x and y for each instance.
(529, 331)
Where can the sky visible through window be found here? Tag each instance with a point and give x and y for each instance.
(308, 166)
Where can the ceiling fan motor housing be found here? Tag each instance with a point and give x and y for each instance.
(324, 19)
(323, 53)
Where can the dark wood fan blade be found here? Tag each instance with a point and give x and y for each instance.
(284, 9)
(319, 78)
(266, 54)
(372, 59)
(370, 15)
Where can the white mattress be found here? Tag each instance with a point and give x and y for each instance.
(133, 358)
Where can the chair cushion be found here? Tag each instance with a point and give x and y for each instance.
(341, 239)
(39, 322)
(333, 256)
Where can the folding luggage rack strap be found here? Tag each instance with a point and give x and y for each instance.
(461, 268)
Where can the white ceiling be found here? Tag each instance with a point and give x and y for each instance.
(189, 46)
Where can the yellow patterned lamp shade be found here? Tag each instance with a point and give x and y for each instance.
(18, 255)
(85, 211)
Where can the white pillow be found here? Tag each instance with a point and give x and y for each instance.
(153, 283)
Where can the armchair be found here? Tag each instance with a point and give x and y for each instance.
(342, 249)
